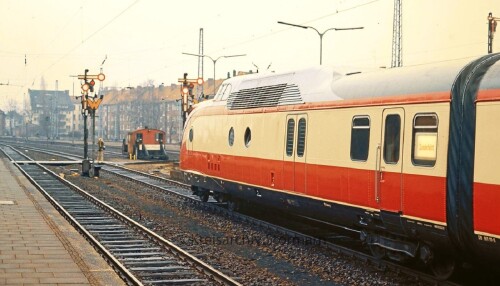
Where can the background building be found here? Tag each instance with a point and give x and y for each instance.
(51, 113)
(2, 123)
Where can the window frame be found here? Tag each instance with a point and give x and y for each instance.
(424, 129)
(230, 137)
(290, 141)
(301, 137)
(226, 92)
(398, 141)
(353, 127)
(247, 137)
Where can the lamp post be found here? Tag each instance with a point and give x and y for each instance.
(492, 27)
(320, 35)
(214, 61)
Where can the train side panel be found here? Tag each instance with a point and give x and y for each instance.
(330, 173)
(486, 196)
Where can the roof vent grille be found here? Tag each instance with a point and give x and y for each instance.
(265, 96)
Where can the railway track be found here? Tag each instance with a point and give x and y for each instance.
(112, 149)
(140, 256)
(300, 234)
(305, 233)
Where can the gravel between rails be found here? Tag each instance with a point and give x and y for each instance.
(254, 256)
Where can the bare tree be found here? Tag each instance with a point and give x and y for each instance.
(12, 110)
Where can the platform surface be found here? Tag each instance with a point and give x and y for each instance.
(37, 245)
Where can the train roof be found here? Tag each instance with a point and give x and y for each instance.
(491, 79)
(322, 83)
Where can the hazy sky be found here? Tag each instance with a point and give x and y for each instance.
(143, 40)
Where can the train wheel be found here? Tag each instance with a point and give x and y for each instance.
(219, 197)
(204, 197)
(194, 190)
(443, 267)
(233, 205)
(377, 251)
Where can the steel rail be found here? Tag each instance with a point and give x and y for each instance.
(120, 268)
(381, 264)
(196, 263)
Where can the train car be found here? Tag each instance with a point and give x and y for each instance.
(145, 143)
(407, 157)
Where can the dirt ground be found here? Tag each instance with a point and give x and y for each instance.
(162, 169)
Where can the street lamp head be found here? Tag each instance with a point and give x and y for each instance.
(294, 25)
(189, 54)
(344, 29)
(232, 56)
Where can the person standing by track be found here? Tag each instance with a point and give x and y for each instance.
(100, 150)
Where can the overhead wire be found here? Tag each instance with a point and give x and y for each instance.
(276, 32)
(90, 36)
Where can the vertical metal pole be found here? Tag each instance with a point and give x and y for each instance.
(320, 49)
(73, 119)
(183, 116)
(397, 34)
(490, 33)
(56, 111)
(214, 75)
(85, 130)
(93, 132)
(85, 136)
(199, 88)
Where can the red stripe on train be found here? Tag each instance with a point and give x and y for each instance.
(421, 196)
(486, 199)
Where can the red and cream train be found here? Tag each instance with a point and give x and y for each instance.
(408, 157)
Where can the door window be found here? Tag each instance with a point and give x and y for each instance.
(301, 138)
(290, 128)
(139, 137)
(392, 138)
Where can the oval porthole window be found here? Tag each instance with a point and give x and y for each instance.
(248, 137)
(191, 135)
(230, 137)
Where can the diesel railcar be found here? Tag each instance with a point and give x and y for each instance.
(145, 143)
(408, 157)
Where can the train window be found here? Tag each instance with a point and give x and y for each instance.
(248, 137)
(191, 135)
(226, 92)
(159, 137)
(392, 138)
(218, 95)
(290, 129)
(230, 138)
(424, 151)
(360, 138)
(301, 137)
(138, 137)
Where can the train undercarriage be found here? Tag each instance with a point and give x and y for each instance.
(410, 242)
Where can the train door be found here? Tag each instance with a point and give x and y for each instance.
(159, 138)
(388, 193)
(294, 157)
